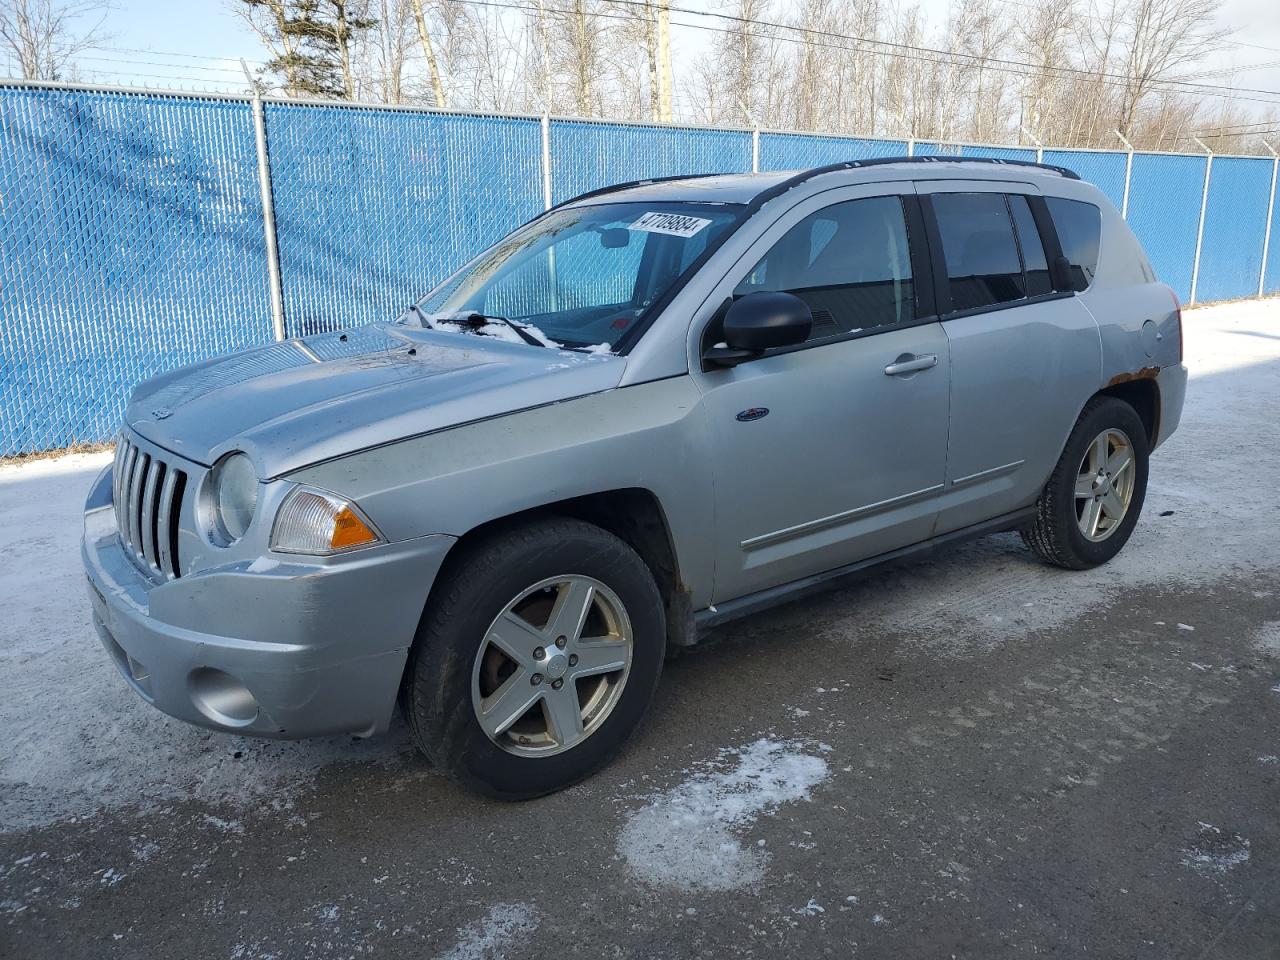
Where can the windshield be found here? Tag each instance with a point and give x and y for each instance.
(584, 276)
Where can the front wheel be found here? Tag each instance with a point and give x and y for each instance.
(1094, 496)
(536, 659)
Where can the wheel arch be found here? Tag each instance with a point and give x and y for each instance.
(633, 514)
(1142, 393)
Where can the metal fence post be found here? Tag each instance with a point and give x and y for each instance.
(1036, 140)
(1204, 203)
(1128, 173)
(268, 207)
(546, 162)
(1271, 206)
(755, 150)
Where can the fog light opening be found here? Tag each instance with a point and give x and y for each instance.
(222, 698)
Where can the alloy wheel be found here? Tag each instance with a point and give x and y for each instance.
(1105, 484)
(552, 665)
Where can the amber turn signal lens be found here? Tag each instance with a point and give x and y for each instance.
(318, 523)
(350, 531)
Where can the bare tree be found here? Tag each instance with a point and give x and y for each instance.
(663, 43)
(578, 41)
(46, 36)
(1164, 35)
(429, 51)
(392, 44)
(1043, 39)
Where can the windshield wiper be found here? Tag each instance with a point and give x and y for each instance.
(477, 320)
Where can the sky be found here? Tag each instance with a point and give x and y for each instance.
(196, 44)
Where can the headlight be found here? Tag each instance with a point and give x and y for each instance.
(233, 496)
(317, 523)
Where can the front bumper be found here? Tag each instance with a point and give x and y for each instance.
(277, 647)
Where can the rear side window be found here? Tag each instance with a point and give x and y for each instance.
(981, 253)
(1079, 226)
(1034, 261)
(849, 262)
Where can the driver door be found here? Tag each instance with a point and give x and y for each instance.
(833, 450)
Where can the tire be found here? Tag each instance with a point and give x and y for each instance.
(457, 664)
(1057, 535)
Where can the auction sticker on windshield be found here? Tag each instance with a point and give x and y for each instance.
(674, 224)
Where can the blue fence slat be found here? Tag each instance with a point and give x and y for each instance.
(1234, 223)
(585, 156)
(1104, 170)
(132, 243)
(374, 207)
(1164, 212)
(795, 151)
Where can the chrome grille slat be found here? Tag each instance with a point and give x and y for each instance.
(147, 493)
(122, 454)
(122, 450)
(134, 500)
(126, 493)
(164, 522)
(148, 521)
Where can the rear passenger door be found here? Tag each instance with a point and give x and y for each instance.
(1024, 356)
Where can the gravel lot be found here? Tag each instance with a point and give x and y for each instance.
(973, 756)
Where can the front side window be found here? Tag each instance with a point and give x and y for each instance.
(849, 262)
(584, 276)
(1079, 227)
(981, 253)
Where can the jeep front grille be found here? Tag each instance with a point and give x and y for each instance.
(147, 494)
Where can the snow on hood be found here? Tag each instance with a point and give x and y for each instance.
(298, 402)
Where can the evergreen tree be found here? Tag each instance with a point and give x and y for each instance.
(310, 42)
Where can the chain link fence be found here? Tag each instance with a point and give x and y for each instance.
(134, 237)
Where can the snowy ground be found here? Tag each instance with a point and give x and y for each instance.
(975, 756)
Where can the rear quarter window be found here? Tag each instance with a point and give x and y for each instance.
(1079, 227)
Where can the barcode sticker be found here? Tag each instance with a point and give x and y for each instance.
(673, 224)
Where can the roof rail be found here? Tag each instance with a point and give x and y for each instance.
(766, 195)
(777, 189)
(636, 183)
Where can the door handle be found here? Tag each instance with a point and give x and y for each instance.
(907, 363)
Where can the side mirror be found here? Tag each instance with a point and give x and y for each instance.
(759, 322)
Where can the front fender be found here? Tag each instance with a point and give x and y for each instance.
(649, 436)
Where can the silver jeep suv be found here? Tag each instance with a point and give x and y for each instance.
(651, 409)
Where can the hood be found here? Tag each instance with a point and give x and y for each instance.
(298, 402)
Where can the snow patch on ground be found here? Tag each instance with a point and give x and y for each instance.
(1268, 640)
(1213, 852)
(685, 838)
(495, 934)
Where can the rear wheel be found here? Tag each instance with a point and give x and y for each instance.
(1093, 499)
(536, 659)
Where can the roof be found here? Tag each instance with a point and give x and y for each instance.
(756, 188)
